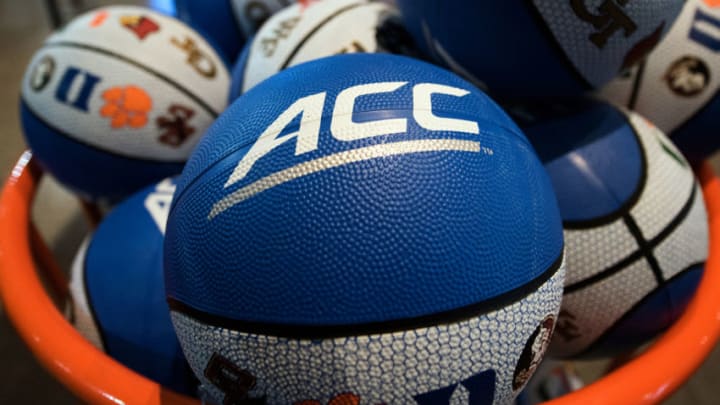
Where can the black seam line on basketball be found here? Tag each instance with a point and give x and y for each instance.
(638, 254)
(540, 21)
(314, 30)
(644, 247)
(629, 312)
(77, 141)
(177, 86)
(297, 331)
(627, 206)
(91, 308)
(636, 85)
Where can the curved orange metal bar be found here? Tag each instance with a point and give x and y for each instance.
(87, 372)
(96, 378)
(669, 362)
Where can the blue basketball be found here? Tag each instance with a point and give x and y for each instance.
(117, 290)
(636, 233)
(539, 48)
(364, 225)
(228, 24)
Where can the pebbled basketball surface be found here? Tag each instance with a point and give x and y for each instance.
(572, 46)
(119, 284)
(635, 227)
(368, 232)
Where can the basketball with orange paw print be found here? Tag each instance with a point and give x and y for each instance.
(126, 106)
(118, 99)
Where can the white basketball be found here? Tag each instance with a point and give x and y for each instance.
(677, 86)
(125, 83)
(310, 30)
(657, 244)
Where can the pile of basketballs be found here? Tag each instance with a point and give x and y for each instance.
(379, 203)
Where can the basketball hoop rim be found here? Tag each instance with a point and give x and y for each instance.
(96, 378)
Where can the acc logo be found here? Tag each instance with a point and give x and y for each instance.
(343, 128)
(42, 73)
(141, 25)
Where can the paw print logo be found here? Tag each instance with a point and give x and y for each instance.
(126, 106)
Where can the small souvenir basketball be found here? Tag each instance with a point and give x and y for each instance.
(364, 228)
(308, 31)
(118, 98)
(539, 48)
(118, 299)
(636, 232)
(677, 86)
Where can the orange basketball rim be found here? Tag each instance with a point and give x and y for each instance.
(25, 262)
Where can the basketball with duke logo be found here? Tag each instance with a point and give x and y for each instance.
(118, 98)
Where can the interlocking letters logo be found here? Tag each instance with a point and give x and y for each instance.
(609, 20)
(196, 58)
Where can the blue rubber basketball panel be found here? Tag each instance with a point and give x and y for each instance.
(215, 20)
(124, 283)
(593, 157)
(370, 240)
(495, 43)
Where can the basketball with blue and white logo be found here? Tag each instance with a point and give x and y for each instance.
(228, 24)
(677, 86)
(304, 32)
(364, 228)
(539, 48)
(636, 230)
(118, 298)
(118, 98)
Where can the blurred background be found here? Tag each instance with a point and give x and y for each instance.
(23, 27)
